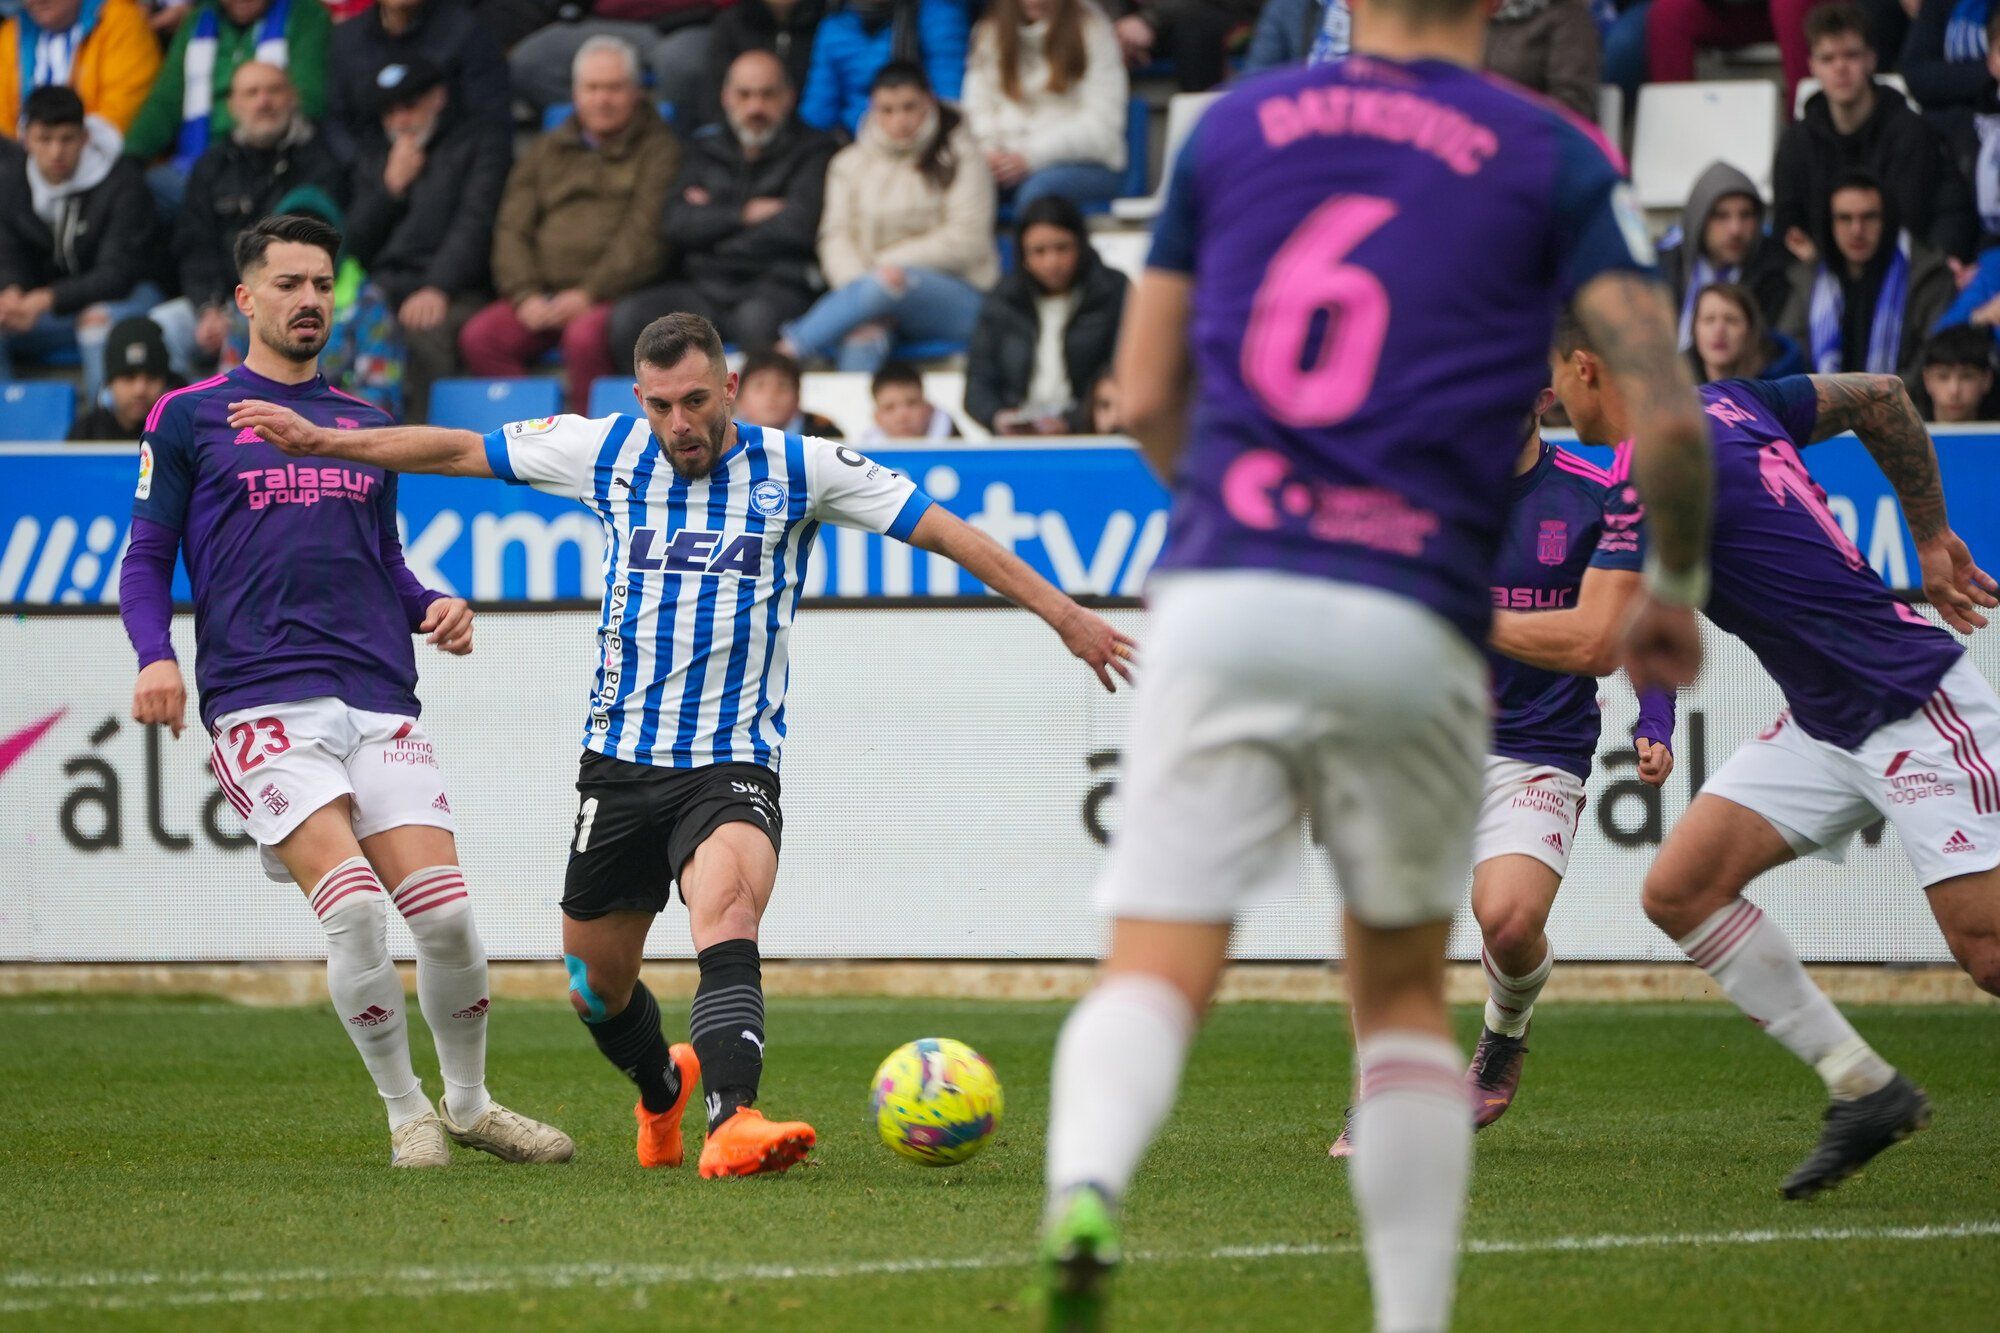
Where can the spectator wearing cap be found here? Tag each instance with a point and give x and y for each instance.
(1045, 99)
(743, 219)
(858, 38)
(101, 48)
(421, 220)
(767, 394)
(76, 230)
(135, 375)
(272, 155)
(670, 36)
(579, 227)
(448, 33)
(189, 103)
(785, 28)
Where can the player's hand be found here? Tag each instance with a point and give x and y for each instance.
(449, 623)
(1104, 649)
(278, 425)
(1662, 645)
(160, 697)
(1656, 762)
(1956, 586)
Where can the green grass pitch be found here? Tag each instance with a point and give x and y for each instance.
(203, 1166)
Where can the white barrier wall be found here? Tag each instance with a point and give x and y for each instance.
(948, 775)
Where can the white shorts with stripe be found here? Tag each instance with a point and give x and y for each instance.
(1528, 810)
(1929, 775)
(1268, 698)
(277, 764)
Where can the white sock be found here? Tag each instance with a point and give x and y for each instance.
(1412, 1160)
(367, 993)
(1756, 966)
(451, 982)
(1117, 1072)
(1510, 1001)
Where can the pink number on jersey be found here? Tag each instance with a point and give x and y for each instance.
(1306, 276)
(1784, 474)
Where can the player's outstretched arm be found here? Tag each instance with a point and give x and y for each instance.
(1584, 640)
(1085, 633)
(452, 453)
(1152, 368)
(1877, 408)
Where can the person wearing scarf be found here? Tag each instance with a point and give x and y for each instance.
(1720, 238)
(1867, 302)
(189, 103)
(1944, 55)
(101, 48)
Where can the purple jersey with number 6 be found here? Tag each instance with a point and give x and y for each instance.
(1788, 581)
(1378, 251)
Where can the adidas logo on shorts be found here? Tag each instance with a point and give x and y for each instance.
(372, 1017)
(441, 803)
(1554, 840)
(1958, 842)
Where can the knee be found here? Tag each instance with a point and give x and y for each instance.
(1981, 961)
(1512, 930)
(594, 993)
(1660, 901)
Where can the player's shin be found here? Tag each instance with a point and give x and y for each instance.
(367, 993)
(1411, 1162)
(726, 1026)
(1510, 999)
(451, 982)
(1117, 1071)
(1756, 966)
(632, 1041)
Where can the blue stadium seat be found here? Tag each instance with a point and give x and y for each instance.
(611, 394)
(937, 349)
(36, 410)
(484, 405)
(555, 113)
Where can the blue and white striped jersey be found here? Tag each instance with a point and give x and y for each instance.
(701, 578)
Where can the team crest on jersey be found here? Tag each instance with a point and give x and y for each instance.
(145, 487)
(532, 426)
(768, 498)
(1552, 541)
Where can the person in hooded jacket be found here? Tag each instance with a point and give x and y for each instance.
(1047, 331)
(76, 231)
(1721, 238)
(1873, 295)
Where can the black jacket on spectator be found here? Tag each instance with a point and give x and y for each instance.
(712, 248)
(1896, 147)
(232, 186)
(450, 35)
(1000, 363)
(106, 252)
(751, 25)
(1939, 84)
(1766, 269)
(440, 233)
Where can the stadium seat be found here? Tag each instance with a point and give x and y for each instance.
(934, 349)
(1684, 127)
(1183, 110)
(36, 410)
(555, 113)
(1808, 86)
(1611, 113)
(610, 395)
(1123, 250)
(484, 405)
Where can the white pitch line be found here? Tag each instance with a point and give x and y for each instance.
(148, 1290)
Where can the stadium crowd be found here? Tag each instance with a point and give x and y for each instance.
(857, 184)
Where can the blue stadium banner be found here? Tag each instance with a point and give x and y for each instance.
(1085, 513)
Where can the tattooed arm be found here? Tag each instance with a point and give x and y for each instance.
(1877, 408)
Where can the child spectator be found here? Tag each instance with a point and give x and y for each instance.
(1731, 340)
(901, 410)
(135, 375)
(1957, 375)
(767, 394)
(1104, 418)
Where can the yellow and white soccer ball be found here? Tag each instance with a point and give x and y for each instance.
(936, 1101)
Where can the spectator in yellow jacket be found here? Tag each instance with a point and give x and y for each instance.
(104, 49)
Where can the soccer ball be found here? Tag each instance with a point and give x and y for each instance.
(936, 1101)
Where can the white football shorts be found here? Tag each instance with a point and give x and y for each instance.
(1929, 775)
(1528, 810)
(277, 764)
(1267, 698)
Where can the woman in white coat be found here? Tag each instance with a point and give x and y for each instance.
(1045, 99)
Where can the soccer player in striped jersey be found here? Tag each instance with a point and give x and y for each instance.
(303, 612)
(1885, 718)
(710, 523)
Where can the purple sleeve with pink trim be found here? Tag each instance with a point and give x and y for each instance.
(1656, 717)
(146, 590)
(410, 591)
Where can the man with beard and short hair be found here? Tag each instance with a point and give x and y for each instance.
(743, 219)
(1721, 239)
(1875, 292)
(710, 524)
(304, 610)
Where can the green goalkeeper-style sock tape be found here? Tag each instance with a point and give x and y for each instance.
(579, 985)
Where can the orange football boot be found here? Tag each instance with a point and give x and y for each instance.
(747, 1144)
(660, 1135)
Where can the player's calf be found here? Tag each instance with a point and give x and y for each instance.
(451, 981)
(366, 992)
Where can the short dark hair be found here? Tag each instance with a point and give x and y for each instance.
(1959, 345)
(769, 363)
(1857, 179)
(1570, 335)
(53, 105)
(295, 228)
(1052, 210)
(668, 339)
(1839, 19)
(901, 74)
(894, 373)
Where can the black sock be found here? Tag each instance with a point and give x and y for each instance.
(631, 1039)
(726, 1026)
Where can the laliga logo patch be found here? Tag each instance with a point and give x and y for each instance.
(768, 498)
(532, 426)
(145, 487)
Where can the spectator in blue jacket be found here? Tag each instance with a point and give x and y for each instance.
(861, 36)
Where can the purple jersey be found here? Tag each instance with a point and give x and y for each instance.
(1789, 582)
(293, 598)
(1568, 516)
(1378, 251)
